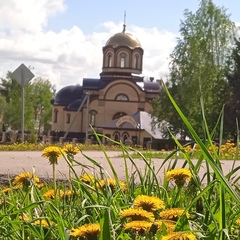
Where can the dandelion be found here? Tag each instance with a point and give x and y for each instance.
(39, 185)
(70, 149)
(24, 218)
(52, 153)
(238, 221)
(87, 231)
(148, 203)
(25, 179)
(137, 214)
(68, 193)
(87, 178)
(112, 183)
(53, 194)
(172, 214)
(44, 223)
(179, 176)
(179, 236)
(6, 190)
(188, 148)
(108, 182)
(41, 222)
(168, 225)
(139, 226)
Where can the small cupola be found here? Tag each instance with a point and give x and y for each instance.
(122, 55)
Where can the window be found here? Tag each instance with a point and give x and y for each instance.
(122, 61)
(55, 115)
(109, 60)
(118, 115)
(106, 139)
(121, 97)
(135, 63)
(125, 137)
(68, 117)
(116, 136)
(92, 120)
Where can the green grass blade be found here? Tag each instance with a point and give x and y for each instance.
(205, 151)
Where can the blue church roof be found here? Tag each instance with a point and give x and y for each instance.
(68, 95)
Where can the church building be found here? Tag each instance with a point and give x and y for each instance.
(117, 104)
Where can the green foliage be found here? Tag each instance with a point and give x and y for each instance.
(197, 69)
(37, 107)
(43, 92)
(12, 117)
(209, 200)
(2, 109)
(232, 107)
(32, 146)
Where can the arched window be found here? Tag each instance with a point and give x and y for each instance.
(135, 63)
(68, 118)
(92, 118)
(109, 60)
(118, 115)
(121, 97)
(122, 60)
(116, 136)
(55, 115)
(125, 137)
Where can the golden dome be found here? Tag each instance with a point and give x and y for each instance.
(123, 39)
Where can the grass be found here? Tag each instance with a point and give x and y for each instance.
(227, 151)
(39, 147)
(98, 205)
(34, 211)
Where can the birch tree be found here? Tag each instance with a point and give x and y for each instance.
(197, 68)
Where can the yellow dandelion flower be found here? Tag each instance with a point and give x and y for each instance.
(87, 231)
(123, 186)
(139, 226)
(137, 214)
(68, 193)
(39, 185)
(188, 148)
(51, 194)
(112, 183)
(24, 218)
(70, 149)
(148, 203)
(6, 190)
(25, 180)
(179, 236)
(108, 182)
(44, 223)
(170, 225)
(87, 178)
(172, 214)
(52, 153)
(238, 221)
(179, 176)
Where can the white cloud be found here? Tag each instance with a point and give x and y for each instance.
(67, 56)
(28, 15)
(157, 45)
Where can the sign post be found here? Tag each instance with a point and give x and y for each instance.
(22, 75)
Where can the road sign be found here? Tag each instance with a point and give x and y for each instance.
(22, 75)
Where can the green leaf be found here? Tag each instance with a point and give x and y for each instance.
(105, 226)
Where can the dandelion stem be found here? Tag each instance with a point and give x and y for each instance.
(54, 180)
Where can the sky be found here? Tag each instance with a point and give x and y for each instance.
(62, 40)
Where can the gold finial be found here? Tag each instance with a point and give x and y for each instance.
(124, 25)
